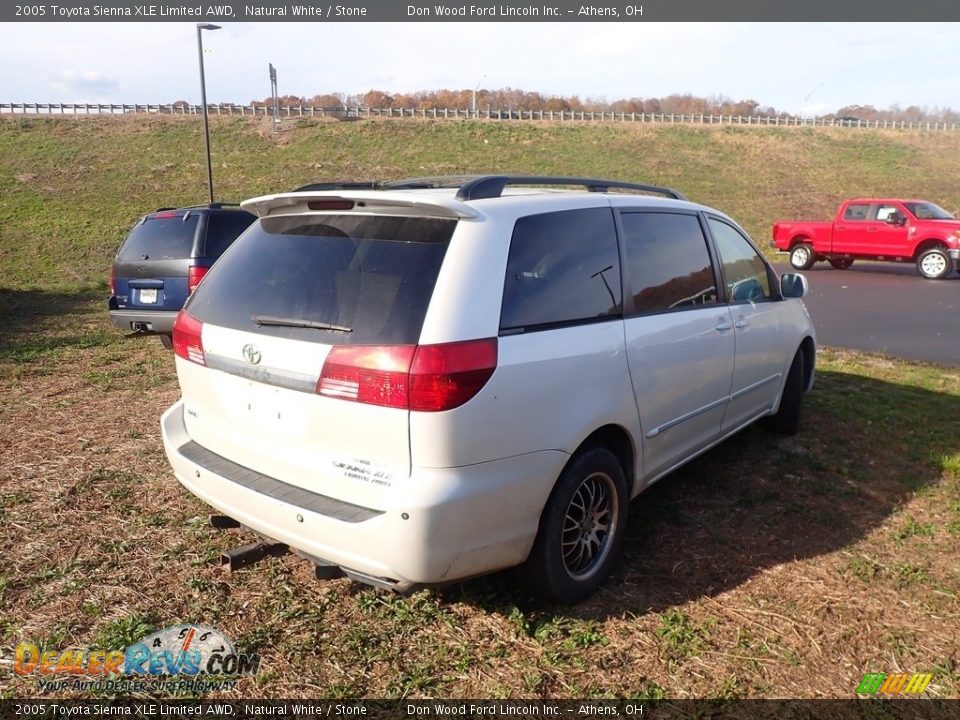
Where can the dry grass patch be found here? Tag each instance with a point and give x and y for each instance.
(771, 567)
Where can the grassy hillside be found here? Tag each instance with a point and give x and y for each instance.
(69, 188)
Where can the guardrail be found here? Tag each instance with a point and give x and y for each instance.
(288, 111)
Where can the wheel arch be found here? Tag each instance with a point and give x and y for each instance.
(617, 440)
(809, 349)
(798, 239)
(928, 244)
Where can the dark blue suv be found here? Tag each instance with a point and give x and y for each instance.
(163, 259)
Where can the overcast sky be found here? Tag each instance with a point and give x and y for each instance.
(809, 68)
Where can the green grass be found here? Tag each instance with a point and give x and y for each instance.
(118, 634)
(70, 188)
(681, 636)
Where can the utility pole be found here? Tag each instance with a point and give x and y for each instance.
(273, 94)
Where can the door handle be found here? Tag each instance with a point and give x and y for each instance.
(741, 323)
(723, 325)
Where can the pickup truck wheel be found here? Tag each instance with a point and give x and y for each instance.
(786, 420)
(581, 530)
(802, 256)
(933, 263)
(840, 263)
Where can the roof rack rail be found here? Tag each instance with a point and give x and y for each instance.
(339, 186)
(164, 209)
(439, 181)
(218, 205)
(491, 186)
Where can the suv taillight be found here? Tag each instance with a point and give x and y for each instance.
(195, 274)
(113, 282)
(187, 342)
(428, 378)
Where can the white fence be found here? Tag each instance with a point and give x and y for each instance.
(455, 113)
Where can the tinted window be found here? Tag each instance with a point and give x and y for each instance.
(563, 267)
(374, 275)
(667, 262)
(161, 238)
(744, 271)
(928, 211)
(223, 228)
(857, 211)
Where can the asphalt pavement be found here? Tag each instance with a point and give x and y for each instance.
(885, 307)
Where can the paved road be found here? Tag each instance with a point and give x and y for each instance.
(886, 307)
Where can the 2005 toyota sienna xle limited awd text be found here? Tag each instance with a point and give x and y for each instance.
(433, 379)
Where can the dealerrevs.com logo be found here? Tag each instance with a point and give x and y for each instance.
(181, 658)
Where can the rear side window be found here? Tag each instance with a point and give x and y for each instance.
(563, 267)
(370, 276)
(857, 211)
(222, 229)
(667, 262)
(161, 237)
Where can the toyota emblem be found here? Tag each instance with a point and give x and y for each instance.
(251, 353)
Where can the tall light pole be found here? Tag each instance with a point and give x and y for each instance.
(203, 99)
(474, 103)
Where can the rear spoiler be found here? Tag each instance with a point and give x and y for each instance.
(366, 201)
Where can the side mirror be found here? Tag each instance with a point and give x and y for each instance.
(793, 285)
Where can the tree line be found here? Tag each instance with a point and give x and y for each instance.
(516, 99)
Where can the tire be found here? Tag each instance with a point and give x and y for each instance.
(934, 263)
(166, 341)
(786, 420)
(575, 549)
(840, 263)
(802, 256)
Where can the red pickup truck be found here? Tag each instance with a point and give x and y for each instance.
(876, 229)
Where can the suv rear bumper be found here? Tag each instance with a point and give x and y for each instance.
(158, 321)
(443, 524)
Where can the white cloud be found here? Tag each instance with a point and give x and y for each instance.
(82, 85)
(776, 64)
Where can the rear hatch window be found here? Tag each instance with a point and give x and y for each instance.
(163, 236)
(352, 279)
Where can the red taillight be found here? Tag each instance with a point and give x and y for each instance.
(446, 376)
(426, 377)
(368, 374)
(194, 275)
(187, 342)
(113, 282)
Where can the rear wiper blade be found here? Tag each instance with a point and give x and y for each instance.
(294, 322)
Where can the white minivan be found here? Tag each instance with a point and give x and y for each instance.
(417, 382)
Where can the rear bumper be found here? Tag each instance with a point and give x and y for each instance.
(438, 525)
(160, 322)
